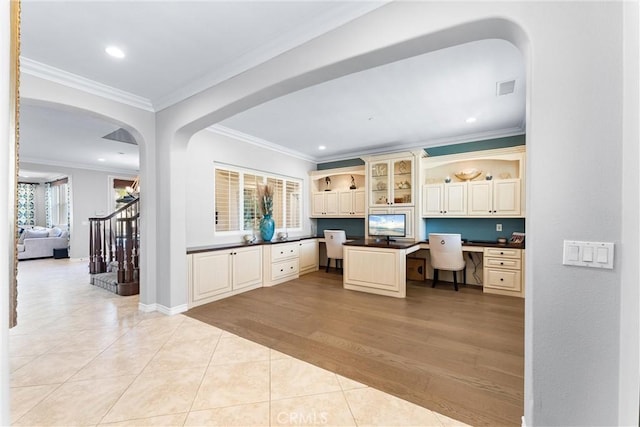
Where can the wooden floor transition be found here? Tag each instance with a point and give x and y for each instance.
(457, 353)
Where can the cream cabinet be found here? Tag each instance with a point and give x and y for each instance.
(408, 213)
(494, 198)
(308, 255)
(324, 204)
(218, 274)
(351, 203)
(495, 182)
(445, 199)
(281, 263)
(338, 193)
(391, 181)
(503, 271)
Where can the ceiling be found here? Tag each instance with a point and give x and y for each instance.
(421, 101)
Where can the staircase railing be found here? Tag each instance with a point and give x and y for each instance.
(115, 238)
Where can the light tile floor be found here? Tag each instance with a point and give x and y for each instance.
(83, 356)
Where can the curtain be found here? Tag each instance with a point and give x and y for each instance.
(26, 204)
(47, 206)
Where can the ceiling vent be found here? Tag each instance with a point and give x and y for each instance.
(121, 135)
(506, 87)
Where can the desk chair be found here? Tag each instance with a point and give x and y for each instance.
(334, 240)
(446, 254)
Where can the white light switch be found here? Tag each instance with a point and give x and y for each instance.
(603, 255)
(588, 254)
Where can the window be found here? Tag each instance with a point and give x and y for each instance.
(58, 202)
(237, 210)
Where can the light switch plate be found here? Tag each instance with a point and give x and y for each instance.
(588, 254)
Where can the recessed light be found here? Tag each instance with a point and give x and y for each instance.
(322, 147)
(115, 51)
(471, 120)
(101, 160)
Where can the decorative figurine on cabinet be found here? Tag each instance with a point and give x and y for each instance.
(327, 180)
(353, 183)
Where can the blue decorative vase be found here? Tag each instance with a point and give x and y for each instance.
(267, 227)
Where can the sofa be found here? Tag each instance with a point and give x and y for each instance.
(39, 242)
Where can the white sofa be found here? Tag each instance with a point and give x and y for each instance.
(40, 242)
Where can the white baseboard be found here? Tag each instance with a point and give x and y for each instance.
(169, 311)
(524, 424)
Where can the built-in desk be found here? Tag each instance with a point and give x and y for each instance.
(379, 267)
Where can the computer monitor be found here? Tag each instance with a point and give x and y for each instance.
(387, 226)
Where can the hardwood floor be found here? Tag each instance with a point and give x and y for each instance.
(457, 353)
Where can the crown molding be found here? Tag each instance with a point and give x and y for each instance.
(74, 165)
(263, 143)
(314, 27)
(56, 75)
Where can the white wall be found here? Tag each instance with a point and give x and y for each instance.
(7, 171)
(90, 197)
(207, 147)
(574, 141)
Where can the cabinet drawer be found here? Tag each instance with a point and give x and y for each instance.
(510, 263)
(502, 252)
(284, 268)
(284, 251)
(502, 279)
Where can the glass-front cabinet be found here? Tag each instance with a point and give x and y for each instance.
(391, 182)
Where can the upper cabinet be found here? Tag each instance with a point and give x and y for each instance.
(338, 193)
(486, 183)
(392, 180)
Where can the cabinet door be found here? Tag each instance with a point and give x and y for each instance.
(359, 205)
(379, 183)
(408, 213)
(317, 204)
(247, 267)
(506, 197)
(346, 203)
(455, 199)
(402, 185)
(432, 200)
(331, 203)
(480, 198)
(211, 274)
(308, 255)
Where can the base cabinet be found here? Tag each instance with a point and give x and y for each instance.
(218, 274)
(503, 271)
(281, 263)
(308, 255)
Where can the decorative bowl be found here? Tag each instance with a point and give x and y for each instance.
(468, 174)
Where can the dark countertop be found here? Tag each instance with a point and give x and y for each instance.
(353, 241)
(381, 243)
(223, 246)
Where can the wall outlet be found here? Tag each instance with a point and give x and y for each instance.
(498, 227)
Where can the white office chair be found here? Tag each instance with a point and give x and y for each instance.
(446, 254)
(334, 240)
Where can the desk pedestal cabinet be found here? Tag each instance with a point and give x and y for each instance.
(503, 272)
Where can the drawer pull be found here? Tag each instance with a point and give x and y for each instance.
(282, 269)
(502, 263)
(501, 279)
(501, 253)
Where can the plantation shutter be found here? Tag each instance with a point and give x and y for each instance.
(251, 206)
(227, 208)
(293, 207)
(278, 201)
